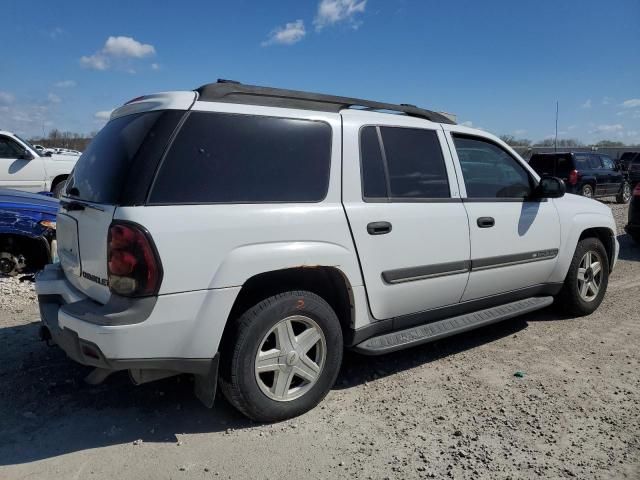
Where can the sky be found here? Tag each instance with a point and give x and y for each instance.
(498, 65)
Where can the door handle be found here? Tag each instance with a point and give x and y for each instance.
(378, 228)
(486, 222)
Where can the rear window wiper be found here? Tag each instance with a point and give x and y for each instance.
(75, 205)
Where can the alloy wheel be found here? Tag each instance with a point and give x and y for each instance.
(290, 358)
(589, 276)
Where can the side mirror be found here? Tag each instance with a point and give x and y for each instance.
(550, 187)
(47, 154)
(26, 155)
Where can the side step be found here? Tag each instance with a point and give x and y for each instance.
(390, 342)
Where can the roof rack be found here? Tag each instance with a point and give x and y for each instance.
(230, 91)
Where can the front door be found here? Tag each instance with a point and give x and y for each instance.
(19, 172)
(514, 240)
(406, 216)
(614, 175)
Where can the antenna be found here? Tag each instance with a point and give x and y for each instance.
(555, 142)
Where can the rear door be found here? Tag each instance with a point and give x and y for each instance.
(19, 172)
(514, 240)
(601, 174)
(409, 225)
(614, 176)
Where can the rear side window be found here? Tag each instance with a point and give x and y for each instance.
(122, 157)
(229, 158)
(582, 162)
(607, 162)
(594, 161)
(402, 163)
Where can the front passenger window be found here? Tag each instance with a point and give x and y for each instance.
(489, 171)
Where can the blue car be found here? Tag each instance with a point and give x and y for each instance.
(27, 231)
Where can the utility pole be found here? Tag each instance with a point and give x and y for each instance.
(555, 142)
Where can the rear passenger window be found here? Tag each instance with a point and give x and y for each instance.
(374, 181)
(408, 160)
(607, 163)
(594, 161)
(229, 158)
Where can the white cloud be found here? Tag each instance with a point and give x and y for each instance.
(468, 123)
(102, 115)
(56, 32)
(520, 131)
(6, 97)
(291, 33)
(155, 66)
(331, 12)
(572, 127)
(115, 51)
(53, 98)
(587, 104)
(631, 103)
(606, 100)
(127, 47)
(96, 61)
(608, 128)
(65, 84)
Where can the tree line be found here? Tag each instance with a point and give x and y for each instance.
(562, 142)
(60, 139)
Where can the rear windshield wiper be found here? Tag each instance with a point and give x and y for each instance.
(74, 206)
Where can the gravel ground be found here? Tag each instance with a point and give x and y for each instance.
(453, 409)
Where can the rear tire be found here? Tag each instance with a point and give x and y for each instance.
(625, 193)
(586, 191)
(285, 359)
(586, 282)
(59, 188)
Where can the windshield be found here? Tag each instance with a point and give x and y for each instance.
(28, 144)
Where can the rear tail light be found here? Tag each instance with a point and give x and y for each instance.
(573, 177)
(636, 191)
(132, 261)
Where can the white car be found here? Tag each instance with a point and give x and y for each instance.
(247, 235)
(24, 168)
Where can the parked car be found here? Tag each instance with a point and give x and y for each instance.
(634, 171)
(591, 175)
(27, 231)
(627, 157)
(23, 168)
(279, 227)
(633, 226)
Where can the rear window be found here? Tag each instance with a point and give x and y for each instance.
(127, 147)
(543, 164)
(231, 158)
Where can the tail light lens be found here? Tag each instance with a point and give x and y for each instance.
(132, 261)
(573, 177)
(636, 191)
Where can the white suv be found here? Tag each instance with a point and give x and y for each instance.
(247, 235)
(24, 167)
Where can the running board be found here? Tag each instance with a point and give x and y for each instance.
(390, 342)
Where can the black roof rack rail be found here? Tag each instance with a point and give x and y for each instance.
(230, 91)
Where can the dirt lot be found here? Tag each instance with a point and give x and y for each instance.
(453, 409)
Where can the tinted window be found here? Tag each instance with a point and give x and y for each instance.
(607, 162)
(582, 162)
(564, 166)
(374, 183)
(224, 158)
(594, 161)
(415, 163)
(489, 171)
(9, 148)
(102, 171)
(543, 164)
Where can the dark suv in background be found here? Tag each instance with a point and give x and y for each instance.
(585, 173)
(633, 227)
(627, 158)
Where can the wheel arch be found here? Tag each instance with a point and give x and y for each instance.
(606, 236)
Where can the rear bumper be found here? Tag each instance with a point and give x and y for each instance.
(179, 332)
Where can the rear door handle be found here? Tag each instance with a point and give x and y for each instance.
(486, 222)
(378, 228)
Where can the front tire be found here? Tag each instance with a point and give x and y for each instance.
(586, 282)
(285, 359)
(625, 193)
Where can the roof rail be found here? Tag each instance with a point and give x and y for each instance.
(230, 91)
